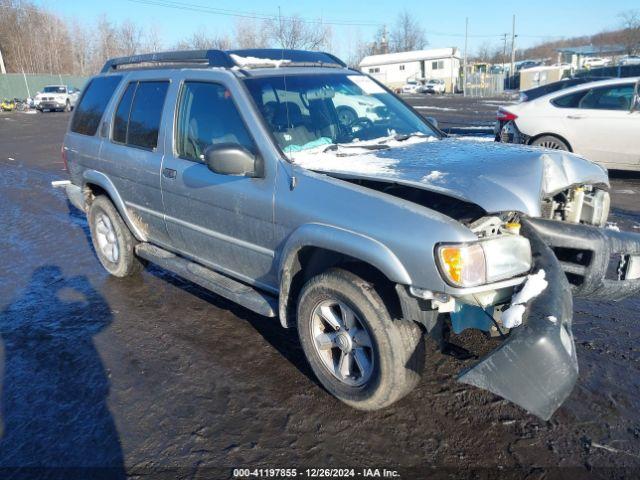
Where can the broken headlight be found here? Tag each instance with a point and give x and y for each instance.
(486, 261)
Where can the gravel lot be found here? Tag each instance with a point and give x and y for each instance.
(155, 377)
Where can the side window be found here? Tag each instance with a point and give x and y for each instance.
(207, 115)
(145, 115)
(618, 97)
(92, 104)
(121, 119)
(571, 100)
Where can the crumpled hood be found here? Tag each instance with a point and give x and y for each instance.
(495, 176)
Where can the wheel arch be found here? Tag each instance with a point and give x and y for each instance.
(314, 248)
(98, 183)
(550, 134)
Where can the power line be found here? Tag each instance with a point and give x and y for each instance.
(245, 14)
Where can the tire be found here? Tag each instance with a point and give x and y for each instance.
(396, 348)
(552, 142)
(346, 115)
(112, 241)
(67, 106)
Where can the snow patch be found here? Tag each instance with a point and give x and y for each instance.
(534, 286)
(257, 62)
(612, 226)
(472, 138)
(442, 109)
(433, 176)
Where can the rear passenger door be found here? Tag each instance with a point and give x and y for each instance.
(222, 221)
(132, 153)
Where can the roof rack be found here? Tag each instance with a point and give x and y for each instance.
(222, 58)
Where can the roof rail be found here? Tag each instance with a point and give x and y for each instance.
(212, 58)
(221, 58)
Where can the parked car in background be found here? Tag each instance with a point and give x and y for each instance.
(527, 64)
(57, 98)
(598, 120)
(8, 105)
(433, 86)
(411, 87)
(351, 107)
(592, 62)
(629, 60)
(537, 92)
(245, 181)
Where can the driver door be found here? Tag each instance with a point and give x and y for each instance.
(222, 221)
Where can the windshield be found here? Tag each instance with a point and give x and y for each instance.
(54, 90)
(308, 111)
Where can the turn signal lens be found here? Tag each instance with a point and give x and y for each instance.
(463, 265)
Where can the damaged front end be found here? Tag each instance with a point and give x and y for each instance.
(536, 367)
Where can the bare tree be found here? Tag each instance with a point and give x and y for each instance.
(407, 34)
(152, 41)
(201, 40)
(630, 30)
(293, 32)
(129, 38)
(251, 33)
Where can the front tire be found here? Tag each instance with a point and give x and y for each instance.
(112, 241)
(67, 106)
(357, 351)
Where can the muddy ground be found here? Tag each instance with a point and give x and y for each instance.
(155, 377)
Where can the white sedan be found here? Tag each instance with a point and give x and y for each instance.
(598, 120)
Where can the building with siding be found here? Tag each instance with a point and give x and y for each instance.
(396, 69)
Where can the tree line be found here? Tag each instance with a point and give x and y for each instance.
(36, 40)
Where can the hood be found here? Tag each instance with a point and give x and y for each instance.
(497, 177)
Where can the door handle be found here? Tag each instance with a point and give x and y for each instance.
(169, 173)
(575, 117)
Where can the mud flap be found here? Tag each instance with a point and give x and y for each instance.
(537, 367)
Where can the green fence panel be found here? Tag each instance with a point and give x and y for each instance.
(17, 85)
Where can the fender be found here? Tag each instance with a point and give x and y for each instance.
(340, 240)
(100, 179)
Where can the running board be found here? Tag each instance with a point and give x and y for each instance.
(222, 285)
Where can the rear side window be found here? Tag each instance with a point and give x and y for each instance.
(571, 100)
(93, 103)
(137, 118)
(618, 97)
(121, 120)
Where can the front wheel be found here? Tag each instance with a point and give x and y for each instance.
(67, 106)
(357, 351)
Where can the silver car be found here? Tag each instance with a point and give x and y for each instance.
(234, 170)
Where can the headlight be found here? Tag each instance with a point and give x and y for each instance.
(486, 261)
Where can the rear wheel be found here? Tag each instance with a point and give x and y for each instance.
(67, 106)
(113, 242)
(357, 351)
(550, 141)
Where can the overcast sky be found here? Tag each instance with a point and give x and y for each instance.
(443, 22)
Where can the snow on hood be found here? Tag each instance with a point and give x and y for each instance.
(497, 177)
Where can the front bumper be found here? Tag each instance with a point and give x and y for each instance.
(536, 367)
(51, 105)
(595, 260)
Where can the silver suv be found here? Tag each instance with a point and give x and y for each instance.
(234, 170)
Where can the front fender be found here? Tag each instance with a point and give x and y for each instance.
(342, 241)
(100, 179)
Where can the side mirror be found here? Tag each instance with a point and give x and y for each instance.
(635, 101)
(232, 159)
(433, 121)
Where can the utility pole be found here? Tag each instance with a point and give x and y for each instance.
(504, 52)
(464, 68)
(2, 69)
(512, 74)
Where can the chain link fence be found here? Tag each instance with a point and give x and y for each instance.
(18, 85)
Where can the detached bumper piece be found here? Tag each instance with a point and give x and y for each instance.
(536, 367)
(600, 264)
